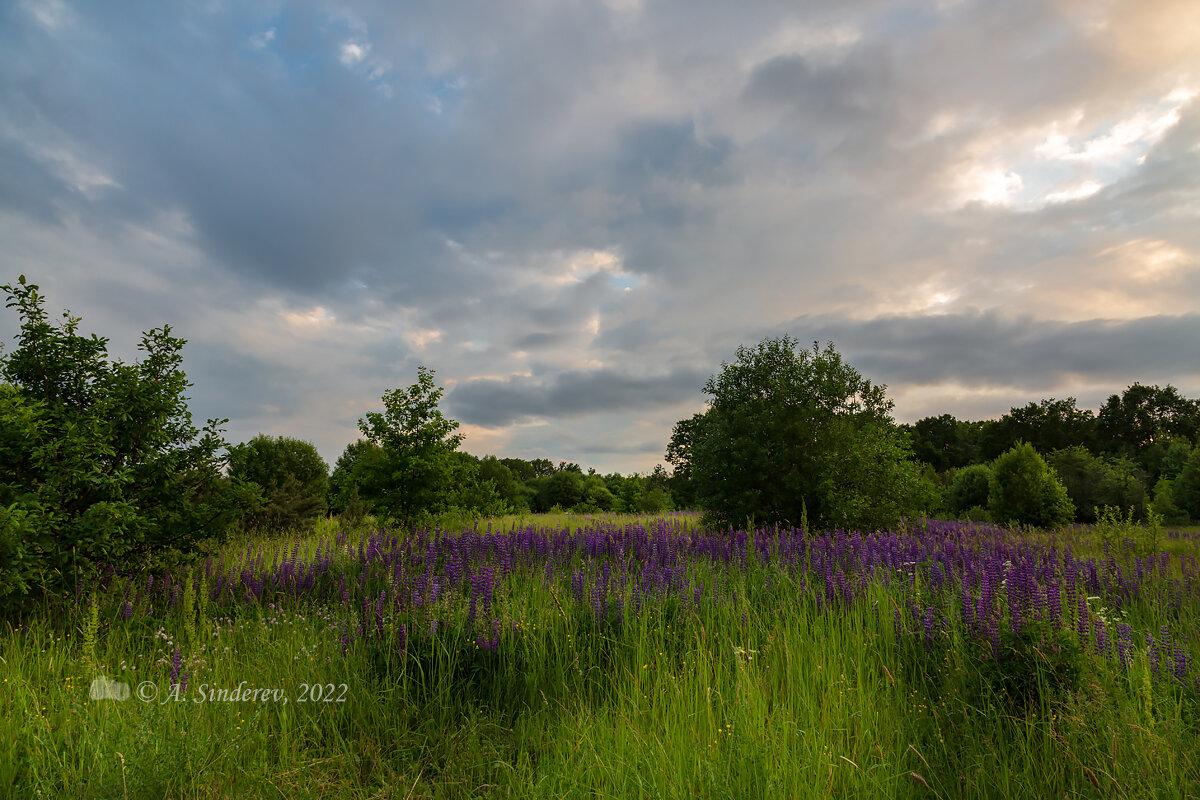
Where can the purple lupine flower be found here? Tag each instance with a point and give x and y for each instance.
(379, 611)
(126, 611)
(1124, 645)
(402, 635)
(176, 660)
(928, 623)
(1152, 654)
(1181, 662)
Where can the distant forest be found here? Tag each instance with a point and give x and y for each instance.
(1128, 455)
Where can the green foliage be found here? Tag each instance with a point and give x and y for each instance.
(290, 473)
(789, 428)
(970, 488)
(412, 464)
(1024, 489)
(1048, 425)
(1094, 482)
(99, 461)
(1164, 503)
(1122, 534)
(507, 485)
(564, 488)
(945, 442)
(1175, 456)
(975, 514)
(1041, 665)
(1133, 422)
(1186, 489)
(344, 481)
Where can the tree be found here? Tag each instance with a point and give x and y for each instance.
(1093, 482)
(1024, 489)
(293, 477)
(410, 473)
(1049, 425)
(1186, 487)
(99, 462)
(508, 486)
(945, 442)
(565, 489)
(790, 432)
(1143, 415)
(970, 488)
(345, 481)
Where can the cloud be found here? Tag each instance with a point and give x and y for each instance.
(495, 403)
(990, 349)
(574, 212)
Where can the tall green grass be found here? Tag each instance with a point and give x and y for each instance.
(787, 701)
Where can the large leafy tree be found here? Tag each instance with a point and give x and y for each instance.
(292, 476)
(791, 432)
(1142, 416)
(99, 460)
(412, 466)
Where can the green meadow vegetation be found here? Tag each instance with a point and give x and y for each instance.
(857, 609)
(765, 686)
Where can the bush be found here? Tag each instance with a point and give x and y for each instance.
(970, 488)
(99, 461)
(1041, 665)
(291, 475)
(1024, 489)
(1186, 489)
(1093, 483)
(1164, 503)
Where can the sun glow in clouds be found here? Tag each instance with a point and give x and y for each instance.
(1066, 161)
(316, 318)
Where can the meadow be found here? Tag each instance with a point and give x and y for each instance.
(571, 656)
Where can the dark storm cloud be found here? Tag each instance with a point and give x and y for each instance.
(494, 403)
(988, 349)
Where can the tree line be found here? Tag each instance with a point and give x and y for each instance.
(1137, 453)
(793, 435)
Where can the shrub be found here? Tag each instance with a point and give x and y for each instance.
(1024, 489)
(970, 488)
(1186, 489)
(1040, 665)
(1164, 503)
(99, 461)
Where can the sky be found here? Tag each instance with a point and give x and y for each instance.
(575, 211)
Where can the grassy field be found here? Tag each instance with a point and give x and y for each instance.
(578, 656)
